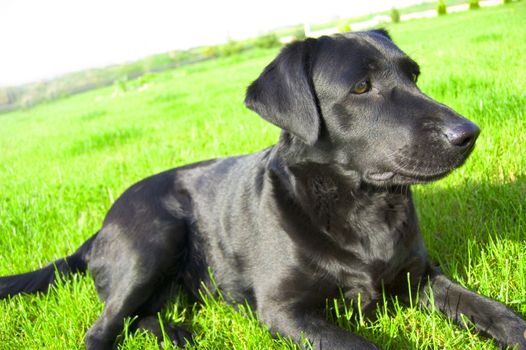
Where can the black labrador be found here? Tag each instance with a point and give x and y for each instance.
(327, 210)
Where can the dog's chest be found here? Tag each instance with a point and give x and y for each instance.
(370, 235)
(371, 246)
(374, 229)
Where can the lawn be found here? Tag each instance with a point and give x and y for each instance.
(63, 163)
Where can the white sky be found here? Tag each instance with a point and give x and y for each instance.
(43, 38)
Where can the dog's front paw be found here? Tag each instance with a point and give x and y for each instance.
(178, 336)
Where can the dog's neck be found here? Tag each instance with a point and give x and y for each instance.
(326, 206)
(303, 161)
(329, 194)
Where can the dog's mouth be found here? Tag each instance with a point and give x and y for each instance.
(402, 169)
(404, 178)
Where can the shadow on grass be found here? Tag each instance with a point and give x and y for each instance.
(450, 217)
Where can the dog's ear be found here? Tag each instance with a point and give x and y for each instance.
(284, 93)
(382, 32)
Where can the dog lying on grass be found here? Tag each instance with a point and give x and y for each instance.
(328, 209)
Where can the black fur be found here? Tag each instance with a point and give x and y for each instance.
(328, 208)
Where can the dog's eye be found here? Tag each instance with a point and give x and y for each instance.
(362, 87)
(414, 76)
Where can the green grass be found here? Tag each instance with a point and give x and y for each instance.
(63, 163)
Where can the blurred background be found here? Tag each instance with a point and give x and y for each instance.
(55, 48)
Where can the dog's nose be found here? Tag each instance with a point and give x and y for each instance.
(463, 135)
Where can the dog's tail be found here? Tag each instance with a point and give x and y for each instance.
(40, 280)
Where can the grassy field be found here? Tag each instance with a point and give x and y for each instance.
(63, 163)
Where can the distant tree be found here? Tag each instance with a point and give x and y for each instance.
(299, 34)
(441, 8)
(267, 41)
(395, 15)
(474, 4)
(210, 51)
(232, 47)
(344, 26)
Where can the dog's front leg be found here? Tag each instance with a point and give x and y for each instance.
(470, 309)
(300, 325)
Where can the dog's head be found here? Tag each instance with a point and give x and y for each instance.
(352, 100)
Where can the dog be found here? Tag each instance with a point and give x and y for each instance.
(325, 212)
